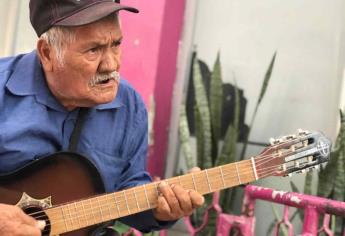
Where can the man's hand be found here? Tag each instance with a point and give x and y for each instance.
(174, 202)
(13, 221)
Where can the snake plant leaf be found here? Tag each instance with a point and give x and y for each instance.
(216, 100)
(298, 211)
(339, 181)
(264, 86)
(276, 215)
(267, 78)
(184, 138)
(327, 176)
(331, 178)
(308, 183)
(228, 153)
(203, 113)
(199, 134)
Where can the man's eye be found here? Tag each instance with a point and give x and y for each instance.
(93, 50)
(116, 44)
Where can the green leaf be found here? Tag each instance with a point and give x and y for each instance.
(184, 138)
(339, 181)
(308, 183)
(199, 134)
(264, 86)
(294, 187)
(228, 153)
(120, 227)
(299, 211)
(282, 226)
(216, 101)
(267, 79)
(327, 176)
(203, 111)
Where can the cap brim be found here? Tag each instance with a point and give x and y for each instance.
(93, 13)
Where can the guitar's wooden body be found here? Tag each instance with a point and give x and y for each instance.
(63, 176)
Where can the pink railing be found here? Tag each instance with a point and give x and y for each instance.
(313, 207)
(245, 224)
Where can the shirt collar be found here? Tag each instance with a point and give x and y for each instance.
(28, 79)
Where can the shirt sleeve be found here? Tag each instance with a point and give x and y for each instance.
(136, 174)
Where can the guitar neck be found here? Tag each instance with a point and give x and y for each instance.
(79, 214)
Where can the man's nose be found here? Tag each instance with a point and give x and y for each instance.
(110, 62)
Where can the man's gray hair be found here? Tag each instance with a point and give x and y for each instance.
(58, 37)
(61, 36)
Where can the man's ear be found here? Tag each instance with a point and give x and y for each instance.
(45, 53)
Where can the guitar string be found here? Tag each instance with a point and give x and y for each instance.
(72, 218)
(257, 160)
(260, 158)
(76, 218)
(225, 175)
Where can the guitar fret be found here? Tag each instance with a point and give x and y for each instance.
(70, 215)
(64, 218)
(136, 199)
(193, 178)
(100, 209)
(238, 174)
(179, 180)
(82, 204)
(78, 218)
(92, 212)
(109, 205)
(147, 199)
(117, 205)
(208, 181)
(222, 175)
(254, 168)
(124, 194)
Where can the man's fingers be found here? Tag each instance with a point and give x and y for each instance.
(29, 221)
(29, 230)
(196, 198)
(25, 218)
(194, 169)
(183, 199)
(162, 205)
(170, 197)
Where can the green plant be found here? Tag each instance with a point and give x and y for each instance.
(211, 148)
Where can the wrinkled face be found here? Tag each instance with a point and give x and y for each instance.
(88, 75)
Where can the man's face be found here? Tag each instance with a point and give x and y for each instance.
(81, 81)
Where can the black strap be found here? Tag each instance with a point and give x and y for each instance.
(77, 129)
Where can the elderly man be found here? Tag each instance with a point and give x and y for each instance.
(76, 65)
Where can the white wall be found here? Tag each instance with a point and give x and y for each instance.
(17, 35)
(305, 87)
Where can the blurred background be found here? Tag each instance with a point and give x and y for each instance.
(305, 89)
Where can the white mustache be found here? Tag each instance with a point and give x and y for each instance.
(98, 78)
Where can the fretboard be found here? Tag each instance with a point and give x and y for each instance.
(87, 212)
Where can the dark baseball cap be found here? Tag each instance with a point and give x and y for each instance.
(47, 13)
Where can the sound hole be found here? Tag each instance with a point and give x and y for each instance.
(37, 213)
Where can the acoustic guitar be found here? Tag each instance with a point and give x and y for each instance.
(65, 189)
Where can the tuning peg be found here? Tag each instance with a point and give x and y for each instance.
(274, 141)
(302, 132)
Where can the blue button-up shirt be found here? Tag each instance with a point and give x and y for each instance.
(33, 124)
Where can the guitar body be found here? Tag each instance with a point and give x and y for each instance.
(63, 176)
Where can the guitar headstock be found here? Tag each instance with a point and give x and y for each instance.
(296, 153)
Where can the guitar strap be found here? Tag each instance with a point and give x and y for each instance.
(77, 129)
